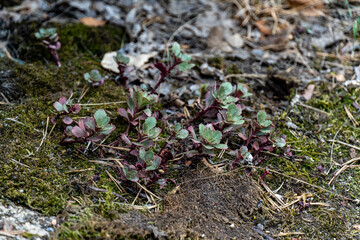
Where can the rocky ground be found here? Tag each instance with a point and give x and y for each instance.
(299, 59)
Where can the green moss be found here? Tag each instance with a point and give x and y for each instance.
(217, 62)
(46, 178)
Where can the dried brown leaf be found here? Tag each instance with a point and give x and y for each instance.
(92, 22)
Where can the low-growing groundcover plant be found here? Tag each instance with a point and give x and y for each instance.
(151, 140)
(50, 39)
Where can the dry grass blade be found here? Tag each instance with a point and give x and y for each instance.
(116, 148)
(351, 117)
(116, 182)
(149, 192)
(344, 143)
(212, 168)
(281, 234)
(273, 195)
(313, 108)
(343, 168)
(99, 104)
(44, 134)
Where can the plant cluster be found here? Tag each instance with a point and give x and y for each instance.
(150, 139)
(122, 61)
(50, 39)
(94, 78)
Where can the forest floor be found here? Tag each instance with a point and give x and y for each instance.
(300, 60)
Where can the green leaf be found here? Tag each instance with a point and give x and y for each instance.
(177, 127)
(87, 77)
(131, 105)
(261, 117)
(38, 35)
(220, 146)
(209, 135)
(107, 129)
(234, 114)
(149, 156)
(280, 142)
(184, 66)
(201, 129)
(149, 124)
(142, 154)
(58, 106)
(120, 58)
(95, 75)
(176, 49)
(185, 57)
(130, 174)
(224, 90)
(154, 164)
(244, 152)
(154, 133)
(182, 134)
(101, 118)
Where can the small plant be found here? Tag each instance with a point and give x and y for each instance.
(122, 62)
(94, 78)
(356, 25)
(65, 107)
(176, 59)
(152, 137)
(91, 129)
(138, 99)
(209, 139)
(259, 135)
(50, 39)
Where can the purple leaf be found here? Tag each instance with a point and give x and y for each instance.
(96, 138)
(108, 129)
(78, 132)
(58, 106)
(77, 108)
(123, 113)
(89, 123)
(81, 124)
(62, 100)
(242, 136)
(67, 120)
(126, 139)
(256, 146)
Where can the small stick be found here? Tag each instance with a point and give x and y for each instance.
(117, 184)
(343, 168)
(145, 189)
(18, 122)
(5, 98)
(112, 147)
(44, 133)
(344, 143)
(351, 117)
(99, 104)
(137, 195)
(314, 109)
(83, 92)
(281, 234)
(17, 162)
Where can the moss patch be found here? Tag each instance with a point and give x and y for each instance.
(46, 178)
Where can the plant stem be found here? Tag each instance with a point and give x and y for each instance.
(56, 57)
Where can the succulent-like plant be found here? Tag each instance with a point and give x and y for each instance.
(89, 128)
(209, 139)
(50, 39)
(94, 78)
(65, 107)
(176, 59)
(122, 62)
